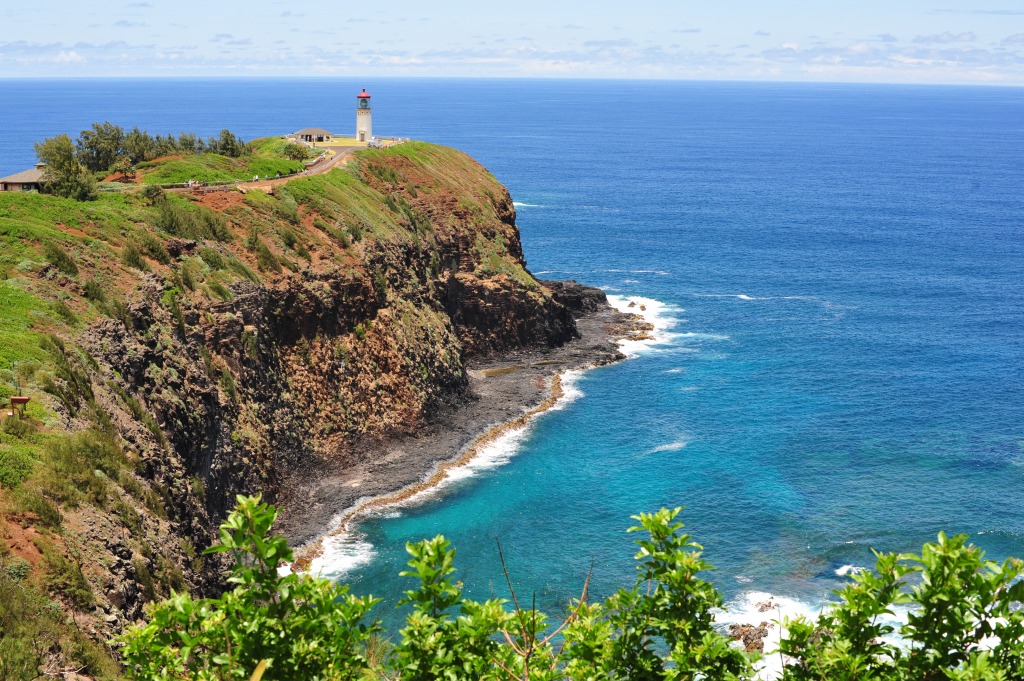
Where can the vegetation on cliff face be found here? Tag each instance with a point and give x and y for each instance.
(965, 621)
(182, 348)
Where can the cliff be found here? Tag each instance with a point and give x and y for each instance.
(180, 349)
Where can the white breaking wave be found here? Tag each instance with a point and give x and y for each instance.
(658, 272)
(703, 336)
(670, 447)
(654, 312)
(755, 607)
(849, 570)
(739, 296)
(570, 389)
(341, 554)
(520, 204)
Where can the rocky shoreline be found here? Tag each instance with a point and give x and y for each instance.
(502, 389)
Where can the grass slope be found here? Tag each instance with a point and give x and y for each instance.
(267, 160)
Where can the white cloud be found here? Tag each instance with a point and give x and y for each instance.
(947, 37)
(71, 57)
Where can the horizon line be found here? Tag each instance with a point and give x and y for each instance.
(993, 84)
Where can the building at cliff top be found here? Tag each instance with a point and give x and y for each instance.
(313, 135)
(25, 181)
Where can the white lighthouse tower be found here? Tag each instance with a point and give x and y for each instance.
(364, 122)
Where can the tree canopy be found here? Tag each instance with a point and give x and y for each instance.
(64, 174)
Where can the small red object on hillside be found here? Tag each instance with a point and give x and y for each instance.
(18, 402)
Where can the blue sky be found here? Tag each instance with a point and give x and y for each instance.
(896, 41)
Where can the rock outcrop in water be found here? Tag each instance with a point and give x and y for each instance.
(203, 346)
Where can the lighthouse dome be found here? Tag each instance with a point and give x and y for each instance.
(363, 95)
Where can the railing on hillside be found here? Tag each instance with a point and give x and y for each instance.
(223, 185)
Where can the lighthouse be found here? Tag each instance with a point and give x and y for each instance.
(364, 124)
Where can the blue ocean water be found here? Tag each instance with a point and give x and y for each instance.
(843, 268)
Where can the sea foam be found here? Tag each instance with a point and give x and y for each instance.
(656, 313)
(755, 607)
(670, 447)
(341, 554)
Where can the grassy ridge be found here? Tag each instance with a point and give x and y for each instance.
(267, 159)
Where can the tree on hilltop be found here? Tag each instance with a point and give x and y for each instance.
(99, 146)
(64, 174)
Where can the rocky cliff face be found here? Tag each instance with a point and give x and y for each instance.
(252, 336)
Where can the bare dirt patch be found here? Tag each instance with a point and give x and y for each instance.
(220, 201)
(21, 540)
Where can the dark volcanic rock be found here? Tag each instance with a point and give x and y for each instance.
(750, 636)
(577, 297)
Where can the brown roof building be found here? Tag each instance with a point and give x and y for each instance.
(314, 135)
(25, 181)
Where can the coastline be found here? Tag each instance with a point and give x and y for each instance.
(507, 392)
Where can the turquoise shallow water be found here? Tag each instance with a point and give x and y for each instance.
(842, 269)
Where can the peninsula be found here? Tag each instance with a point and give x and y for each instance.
(320, 340)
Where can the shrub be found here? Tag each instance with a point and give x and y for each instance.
(94, 291)
(131, 255)
(59, 258)
(212, 258)
(62, 310)
(965, 621)
(153, 247)
(266, 260)
(15, 466)
(296, 152)
(308, 628)
(31, 501)
(64, 576)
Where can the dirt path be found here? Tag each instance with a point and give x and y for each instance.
(341, 155)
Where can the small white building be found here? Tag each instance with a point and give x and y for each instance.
(314, 135)
(25, 181)
(364, 120)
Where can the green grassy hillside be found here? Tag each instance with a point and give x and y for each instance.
(268, 159)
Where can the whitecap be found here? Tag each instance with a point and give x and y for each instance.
(341, 554)
(703, 336)
(670, 447)
(673, 371)
(619, 271)
(738, 296)
(630, 281)
(849, 570)
(521, 204)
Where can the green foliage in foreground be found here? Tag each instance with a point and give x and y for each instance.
(966, 621)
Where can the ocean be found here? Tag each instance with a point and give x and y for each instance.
(837, 277)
